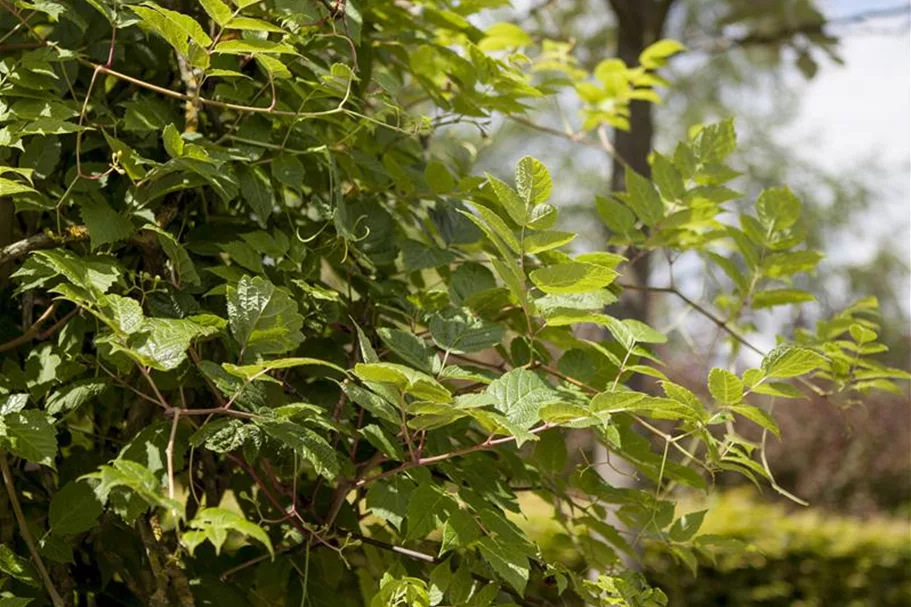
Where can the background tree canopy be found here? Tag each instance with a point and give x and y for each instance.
(270, 336)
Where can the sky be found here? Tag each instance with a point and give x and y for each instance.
(862, 110)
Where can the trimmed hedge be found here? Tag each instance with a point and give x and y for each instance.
(794, 559)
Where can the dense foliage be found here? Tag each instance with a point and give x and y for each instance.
(264, 342)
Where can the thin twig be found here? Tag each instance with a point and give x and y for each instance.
(169, 453)
(26, 534)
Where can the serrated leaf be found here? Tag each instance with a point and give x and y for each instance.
(30, 435)
(409, 380)
(162, 343)
(778, 208)
(519, 395)
(725, 387)
(220, 12)
(125, 313)
(135, 477)
(533, 181)
(630, 331)
(510, 200)
(508, 562)
(71, 397)
(388, 500)
(643, 198)
(174, 27)
(105, 225)
(408, 347)
(311, 446)
(459, 331)
(788, 361)
(424, 509)
(264, 319)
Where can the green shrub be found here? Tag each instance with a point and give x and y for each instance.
(261, 344)
(795, 559)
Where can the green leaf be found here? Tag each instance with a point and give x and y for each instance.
(74, 509)
(383, 441)
(725, 387)
(105, 225)
(9, 188)
(507, 561)
(18, 567)
(255, 371)
(409, 348)
(572, 277)
(643, 198)
(779, 297)
(162, 343)
(438, 178)
(667, 178)
(30, 435)
(546, 240)
(459, 331)
(125, 313)
(256, 188)
(459, 530)
(778, 208)
(173, 143)
(174, 27)
(862, 335)
(406, 378)
(758, 416)
(71, 397)
(389, 499)
(181, 265)
(550, 452)
(135, 477)
(469, 279)
(629, 332)
(788, 361)
(288, 170)
(512, 203)
(656, 54)
(424, 510)
(533, 182)
(418, 256)
(220, 12)
(217, 523)
(504, 36)
(519, 395)
(715, 142)
(264, 319)
(250, 46)
(311, 446)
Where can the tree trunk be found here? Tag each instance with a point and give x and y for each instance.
(639, 23)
